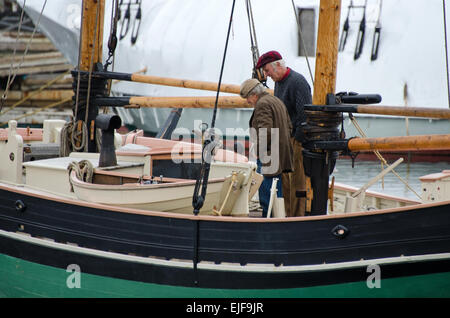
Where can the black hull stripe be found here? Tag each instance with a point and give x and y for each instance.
(416, 232)
(181, 273)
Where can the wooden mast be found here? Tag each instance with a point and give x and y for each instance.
(327, 50)
(91, 40)
(91, 46)
(319, 164)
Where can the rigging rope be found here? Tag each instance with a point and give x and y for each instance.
(257, 73)
(8, 83)
(380, 157)
(112, 41)
(34, 93)
(77, 134)
(91, 65)
(446, 51)
(12, 77)
(303, 41)
(112, 44)
(41, 109)
(209, 145)
(222, 67)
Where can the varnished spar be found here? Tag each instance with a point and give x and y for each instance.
(425, 112)
(178, 102)
(201, 85)
(405, 143)
(174, 82)
(238, 102)
(191, 102)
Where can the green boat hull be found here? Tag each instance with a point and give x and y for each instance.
(19, 278)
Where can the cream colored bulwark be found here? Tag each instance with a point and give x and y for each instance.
(51, 175)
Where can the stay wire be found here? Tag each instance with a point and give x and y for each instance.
(8, 83)
(303, 41)
(29, 42)
(12, 77)
(112, 41)
(91, 64)
(208, 147)
(446, 51)
(222, 67)
(253, 41)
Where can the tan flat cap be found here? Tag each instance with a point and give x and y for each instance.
(247, 86)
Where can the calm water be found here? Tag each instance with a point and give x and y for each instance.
(366, 170)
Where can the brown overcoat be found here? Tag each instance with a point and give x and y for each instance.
(270, 113)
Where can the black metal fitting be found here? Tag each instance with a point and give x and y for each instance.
(107, 123)
(20, 206)
(340, 231)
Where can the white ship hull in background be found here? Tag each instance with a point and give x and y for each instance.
(181, 39)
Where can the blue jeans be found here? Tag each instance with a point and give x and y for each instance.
(264, 189)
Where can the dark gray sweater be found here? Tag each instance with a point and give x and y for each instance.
(295, 92)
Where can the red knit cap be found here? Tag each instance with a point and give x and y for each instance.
(268, 57)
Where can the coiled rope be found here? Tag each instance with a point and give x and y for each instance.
(84, 171)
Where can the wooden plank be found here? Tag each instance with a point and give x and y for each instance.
(40, 69)
(33, 63)
(21, 47)
(40, 79)
(32, 56)
(45, 95)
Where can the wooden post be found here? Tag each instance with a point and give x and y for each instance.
(320, 164)
(327, 50)
(91, 45)
(91, 39)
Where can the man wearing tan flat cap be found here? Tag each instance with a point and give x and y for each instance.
(270, 130)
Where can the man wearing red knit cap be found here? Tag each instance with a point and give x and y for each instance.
(293, 89)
